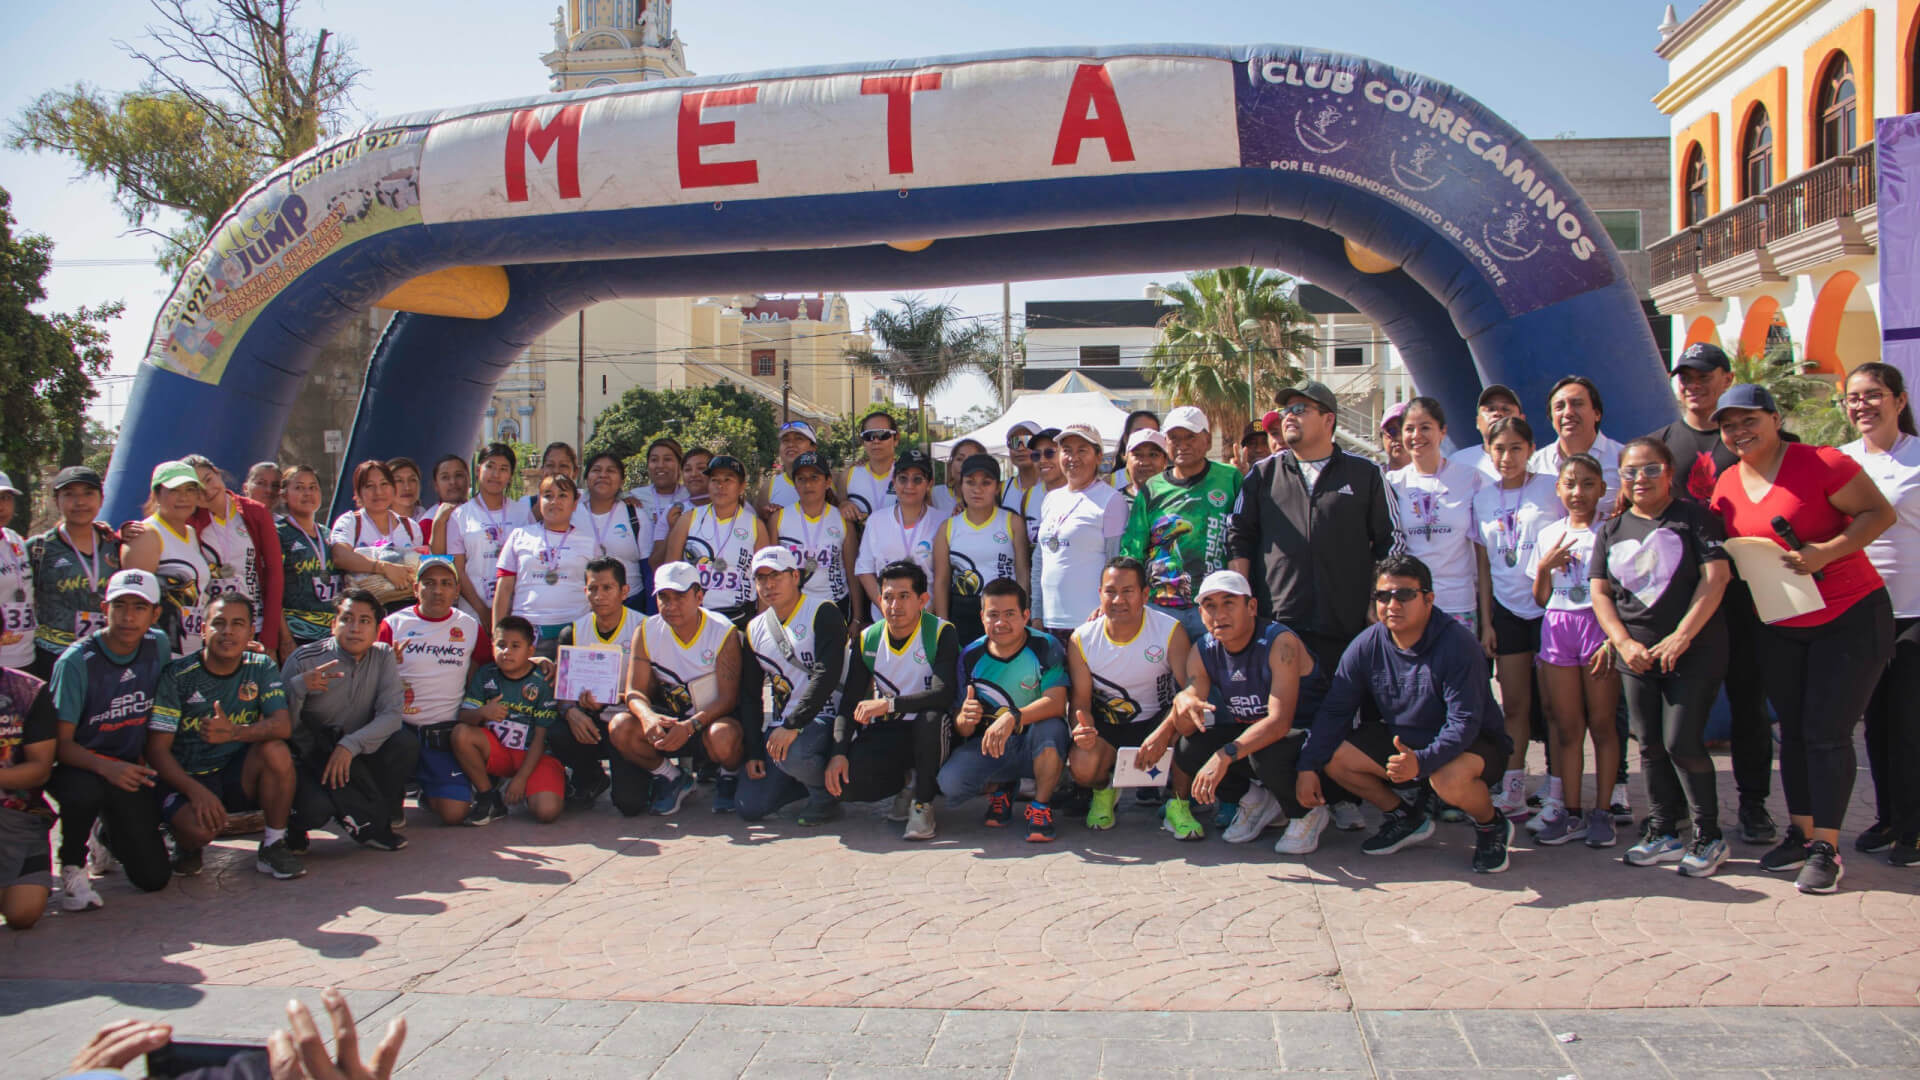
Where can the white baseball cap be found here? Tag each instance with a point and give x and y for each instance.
(1148, 437)
(1187, 418)
(675, 576)
(800, 427)
(6, 484)
(134, 583)
(776, 557)
(1082, 431)
(1226, 581)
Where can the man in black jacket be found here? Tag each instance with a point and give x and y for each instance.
(1309, 526)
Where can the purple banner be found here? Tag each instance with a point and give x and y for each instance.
(1435, 154)
(1897, 159)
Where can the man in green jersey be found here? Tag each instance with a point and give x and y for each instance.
(1011, 714)
(218, 742)
(1178, 526)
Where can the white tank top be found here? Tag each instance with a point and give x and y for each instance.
(1133, 680)
(788, 677)
(820, 543)
(908, 669)
(722, 551)
(977, 554)
(232, 563)
(1030, 502)
(433, 656)
(587, 636)
(683, 672)
(867, 491)
(780, 491)
(183, 586)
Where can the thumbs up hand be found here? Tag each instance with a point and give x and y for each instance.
(970, 712)
(1403, 766)
(217, 729)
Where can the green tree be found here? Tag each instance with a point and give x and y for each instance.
(1225, 323)
(925, 346)
(840, 442)
(709, 428)
(626, 427)
(47, 361)
(1809, 404)
(234, 88)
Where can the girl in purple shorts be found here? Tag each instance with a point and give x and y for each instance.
(1576, 667)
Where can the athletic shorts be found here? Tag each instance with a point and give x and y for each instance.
(1120, 736)
(1570, 638)
(1513, 635)
(1376, 741)
(26, 850)
(549, 776)
(225, 784)
(440, 776)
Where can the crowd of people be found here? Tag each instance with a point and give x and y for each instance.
(1277, 640)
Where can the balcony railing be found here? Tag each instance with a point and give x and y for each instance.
(1832, 189)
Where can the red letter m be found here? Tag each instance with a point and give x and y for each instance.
(523, 135)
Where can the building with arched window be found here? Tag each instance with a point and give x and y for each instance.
(1771, 106)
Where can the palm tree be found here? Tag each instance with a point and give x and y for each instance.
(924, 346)
(1226, 325)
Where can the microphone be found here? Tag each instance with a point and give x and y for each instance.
(1783, 529)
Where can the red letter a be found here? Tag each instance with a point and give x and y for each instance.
(1093, 112)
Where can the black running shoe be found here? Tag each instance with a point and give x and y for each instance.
(380, 839)
(999, 810)
(1490, 845)
(1876, 839)
(186, 863)
(1401, 828)
(1790, 854)
(1823, 870)
(1756, 825)
(487, 808)
(1906, 851)
(586, 789)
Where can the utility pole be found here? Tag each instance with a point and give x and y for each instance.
(786, 388)
(1006, 345)
(580, 398)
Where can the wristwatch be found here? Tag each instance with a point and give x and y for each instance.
(1231, 751)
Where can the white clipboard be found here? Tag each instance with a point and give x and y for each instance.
(1128, 774)
(1778, 593)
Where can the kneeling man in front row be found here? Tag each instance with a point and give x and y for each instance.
(1427, 676)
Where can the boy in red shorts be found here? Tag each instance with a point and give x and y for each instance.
(503, 731)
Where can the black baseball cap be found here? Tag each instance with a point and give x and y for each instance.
(1498, 390)
(809, 460)
(1315, 392)
(1703, 356)
(77, 474)
(913, 458)
(1745, 396)
(1051, 434)
(980, 463)
(729, 463)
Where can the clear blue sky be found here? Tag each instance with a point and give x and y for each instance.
(1548, 68)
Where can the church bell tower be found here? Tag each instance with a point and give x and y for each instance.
(607, 42)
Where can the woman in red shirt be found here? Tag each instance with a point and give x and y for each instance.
(1820, 668)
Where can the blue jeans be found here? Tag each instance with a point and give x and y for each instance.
(803, 773)
(969, 770)
(1189, 617)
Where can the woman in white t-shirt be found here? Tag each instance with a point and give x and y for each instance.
(377, 526)
(619, 529)
(475, 531)
(903, 530)
(1434, 498)
(1080, 527)
(1576, 666)
(1888, 450)
(543, 566)
(1508, 514)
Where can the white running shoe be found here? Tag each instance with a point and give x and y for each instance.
(1550, 809)
(1511, 802)
(1258, 809)
(1347, 817)
(100, 861)
(1303, 833)
(76, 891)
(902, 803)
(920, 824)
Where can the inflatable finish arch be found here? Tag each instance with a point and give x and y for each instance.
(1016, 165)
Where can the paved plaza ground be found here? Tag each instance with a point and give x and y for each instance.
(704, 946)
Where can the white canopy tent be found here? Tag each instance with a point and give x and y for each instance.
(1047, 410)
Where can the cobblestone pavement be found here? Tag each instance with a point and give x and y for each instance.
(457, 1037)
(704, 909)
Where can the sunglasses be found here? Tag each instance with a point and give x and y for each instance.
(1298, 408)
(1048, 454)
(1653, 471)
(1387, 596)
(1018, 442)
(876, 435)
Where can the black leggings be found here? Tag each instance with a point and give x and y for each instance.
(1669, 713)
(1751, 731)
(1819, 679)
(132, 820)
(1893, 733)
(1276, 765)
(376, 783)
(878, 762)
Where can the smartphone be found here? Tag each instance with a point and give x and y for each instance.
(180, 1058)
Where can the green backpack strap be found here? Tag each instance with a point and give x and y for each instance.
(872, 636)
